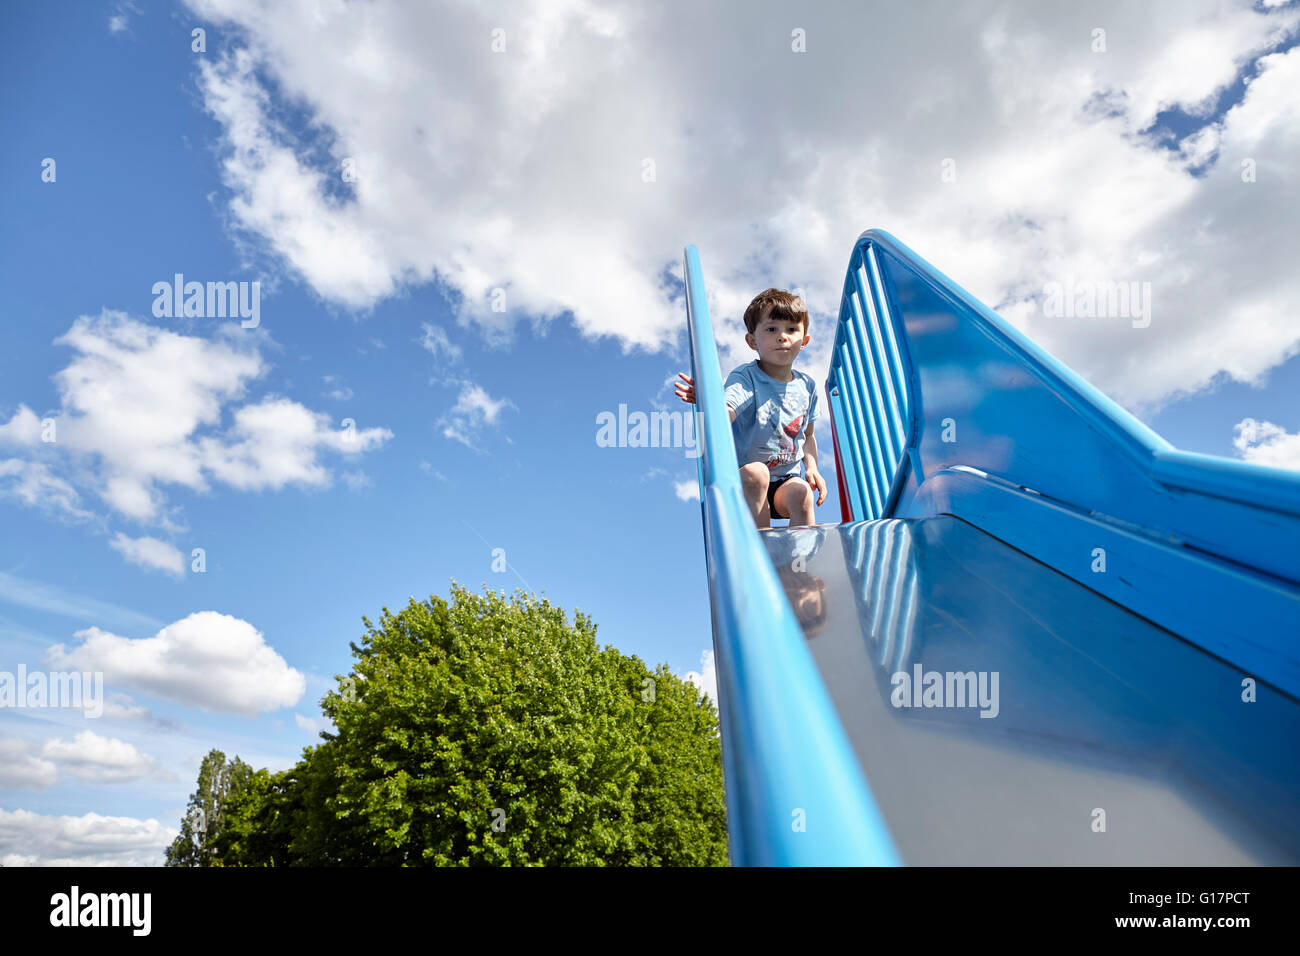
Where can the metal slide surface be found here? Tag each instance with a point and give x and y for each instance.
(1093, 709)
(1125, 615)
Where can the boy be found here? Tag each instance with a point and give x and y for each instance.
(772, 409)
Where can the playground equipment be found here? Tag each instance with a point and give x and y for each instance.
(1041, 635)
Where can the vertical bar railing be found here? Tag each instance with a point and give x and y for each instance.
(869, 392)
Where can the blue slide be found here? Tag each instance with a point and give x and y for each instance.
(1042, 635)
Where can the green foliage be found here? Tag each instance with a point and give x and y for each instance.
(220, 785)
(487, 731)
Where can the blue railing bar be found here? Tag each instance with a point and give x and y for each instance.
(889, 406)
(861, 368)
(887, 320)
(863, 440)
(872, 322)
(857, 408)
(1274, 488)
(872, 385)
(784, 747)
(714, 441)
(877, 343)
(849, 461)
(853, 429)
(885, 470)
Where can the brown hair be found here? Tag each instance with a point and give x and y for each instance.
(786, 307)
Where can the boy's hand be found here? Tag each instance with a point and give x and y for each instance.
(815, 480)
(686, 388)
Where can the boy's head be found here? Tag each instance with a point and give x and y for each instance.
(776, 324)
(776, 304)
(807, 596)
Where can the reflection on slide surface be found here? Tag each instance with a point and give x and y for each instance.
(1105, 740)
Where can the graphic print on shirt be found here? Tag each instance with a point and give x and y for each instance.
(785, 434)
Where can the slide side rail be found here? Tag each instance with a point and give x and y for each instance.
(795, 792)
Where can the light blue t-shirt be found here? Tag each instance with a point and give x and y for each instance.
(771, 417)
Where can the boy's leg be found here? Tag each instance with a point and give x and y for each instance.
(795, 498)
(754, 479)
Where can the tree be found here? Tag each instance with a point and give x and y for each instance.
(487, 731)
(220, 783)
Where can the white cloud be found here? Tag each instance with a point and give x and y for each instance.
(120, 19)
(142, 408)
(207, 660)
(707, 678)
(275, 443)
(101, 759)
(356, 480)
(437, 343)
(134, 394)
(34, 485)
(150, 553)
(524, 172)
(23, 429)
(34, 839)
(1267, 444)
(19, 770)
(123, 707)
(340, 392)
(474, 410)
(687, 490)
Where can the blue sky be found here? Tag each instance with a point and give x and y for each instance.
(476, 428)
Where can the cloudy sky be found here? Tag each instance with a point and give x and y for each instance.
(466, 223)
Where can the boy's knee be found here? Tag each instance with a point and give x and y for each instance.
(755, 475)
(795, 495)
(800, 491)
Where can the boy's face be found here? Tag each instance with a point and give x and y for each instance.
(809, 600)
(777, 342)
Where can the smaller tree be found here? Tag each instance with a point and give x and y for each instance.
(220, 783)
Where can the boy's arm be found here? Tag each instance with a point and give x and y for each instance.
(815, 478)
(738, 392)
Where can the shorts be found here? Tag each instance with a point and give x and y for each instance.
(771, 493)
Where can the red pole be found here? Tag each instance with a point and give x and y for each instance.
(846, 512)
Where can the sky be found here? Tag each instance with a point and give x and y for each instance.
(465, 223)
